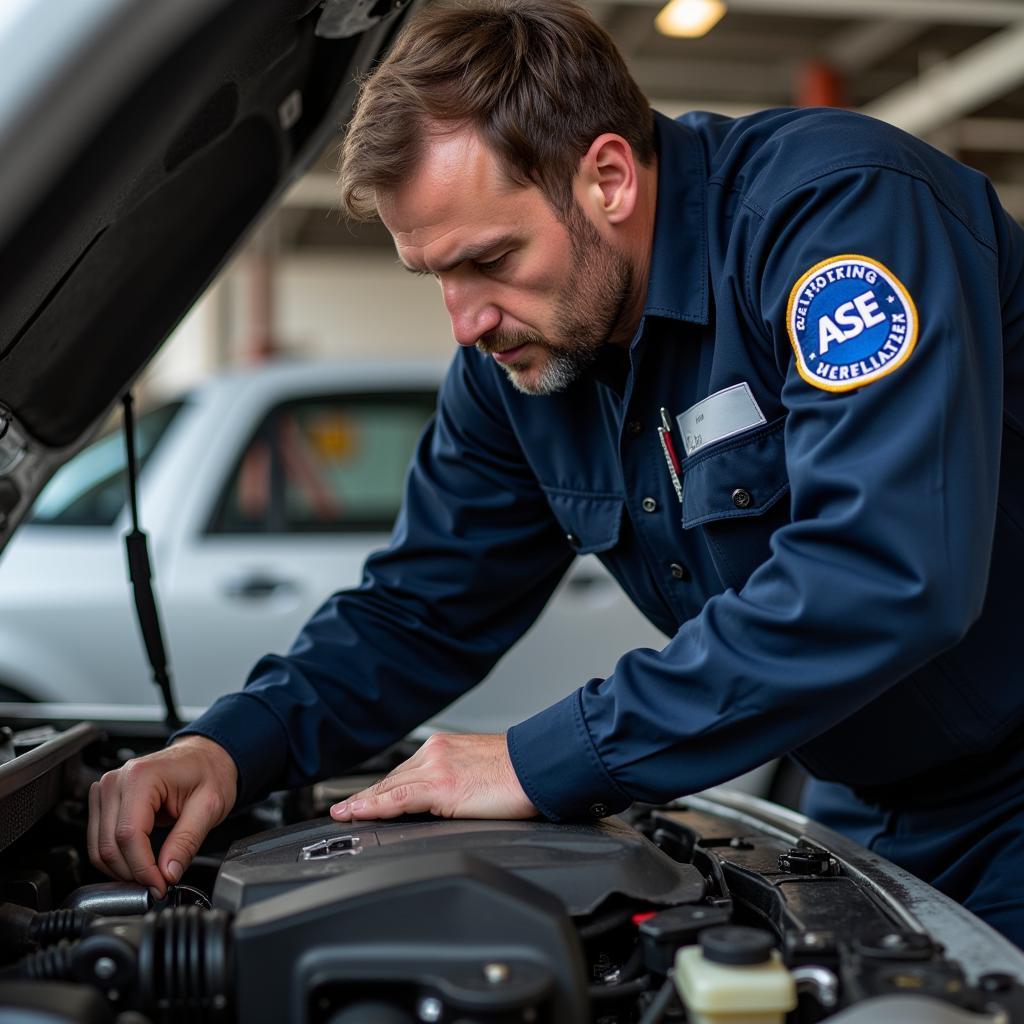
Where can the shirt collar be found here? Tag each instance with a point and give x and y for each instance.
(678, 283)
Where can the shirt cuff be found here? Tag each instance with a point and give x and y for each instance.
(558, 766)
(254, 737)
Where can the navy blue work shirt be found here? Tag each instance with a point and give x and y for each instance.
(840, 577)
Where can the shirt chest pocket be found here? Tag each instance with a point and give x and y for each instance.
(591, 521)
(733, 493)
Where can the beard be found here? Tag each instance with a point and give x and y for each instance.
(589, 308)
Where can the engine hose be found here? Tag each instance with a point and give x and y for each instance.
(54, 925)
(23, 931)
(52, 964)
(185, 966)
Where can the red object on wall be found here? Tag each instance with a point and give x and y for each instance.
(820, 85)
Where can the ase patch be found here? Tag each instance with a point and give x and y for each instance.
(850, 321)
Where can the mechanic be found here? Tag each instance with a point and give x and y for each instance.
(768, 369)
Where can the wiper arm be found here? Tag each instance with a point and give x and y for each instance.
(141, 575)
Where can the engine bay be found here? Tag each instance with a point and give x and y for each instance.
(717, 908)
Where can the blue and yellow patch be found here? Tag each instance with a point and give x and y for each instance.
(851, 322)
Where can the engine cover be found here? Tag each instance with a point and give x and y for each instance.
(581, 865)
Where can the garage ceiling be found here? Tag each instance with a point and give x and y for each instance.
(950, 71)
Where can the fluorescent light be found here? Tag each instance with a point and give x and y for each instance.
(688, 19)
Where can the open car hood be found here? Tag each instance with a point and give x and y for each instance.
(140, 141)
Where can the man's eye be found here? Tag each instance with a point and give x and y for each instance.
(490, 265)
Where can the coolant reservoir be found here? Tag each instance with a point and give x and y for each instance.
(734, 976)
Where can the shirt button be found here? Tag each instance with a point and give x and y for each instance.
(599, 810)
(649, 505)
(741, 498)
(678, 571)
(634, 428)
(573, 539)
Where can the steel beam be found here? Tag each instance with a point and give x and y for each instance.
(957, 86)
(865, 45)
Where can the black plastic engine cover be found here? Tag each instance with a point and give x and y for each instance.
(582, 865)
(373, 945)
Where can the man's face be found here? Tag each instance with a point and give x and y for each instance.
(539, 295)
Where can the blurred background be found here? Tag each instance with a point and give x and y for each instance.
(950, 71)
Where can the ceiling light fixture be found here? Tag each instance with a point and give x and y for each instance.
(689, 19)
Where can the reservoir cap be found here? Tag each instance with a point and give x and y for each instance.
(734, 944)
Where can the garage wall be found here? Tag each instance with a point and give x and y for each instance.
(361, 305)
(357, 304)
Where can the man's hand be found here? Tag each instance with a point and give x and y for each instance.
(193, 782)
(453, 776)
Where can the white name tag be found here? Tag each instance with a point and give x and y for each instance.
(729, 411)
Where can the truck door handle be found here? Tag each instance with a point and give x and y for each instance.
(258, 586)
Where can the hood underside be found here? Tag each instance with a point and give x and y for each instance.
(141, 140)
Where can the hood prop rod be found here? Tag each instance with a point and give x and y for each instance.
(140, 573)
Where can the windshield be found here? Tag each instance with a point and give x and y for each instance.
(91, 489)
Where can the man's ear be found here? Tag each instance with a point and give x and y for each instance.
(608, 179)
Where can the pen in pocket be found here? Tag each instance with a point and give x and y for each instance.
(671, 459)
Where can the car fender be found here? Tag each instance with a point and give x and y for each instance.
(39, 673)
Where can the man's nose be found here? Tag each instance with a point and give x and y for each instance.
(471, 314)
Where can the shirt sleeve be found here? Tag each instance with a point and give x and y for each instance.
(474, 556)
(893, 478)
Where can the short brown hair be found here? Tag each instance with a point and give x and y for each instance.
(538, 79)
